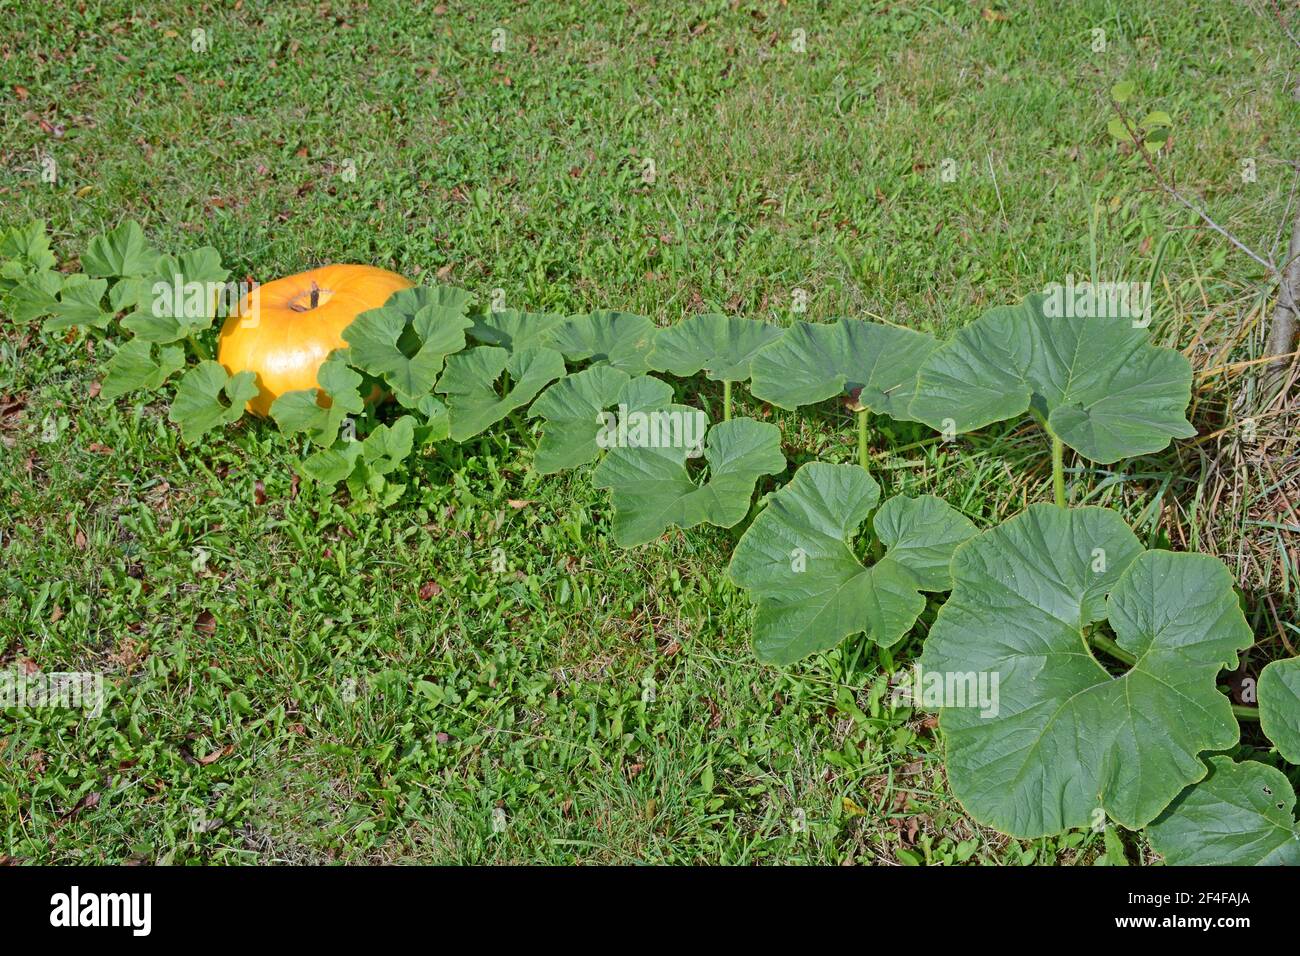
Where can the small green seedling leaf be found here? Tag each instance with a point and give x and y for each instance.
(208, 397)
(874, 365)
(1052, 738)
(140, 365)
(407, 340)
(723, 346)
(1279, 706)
(120, 253)
(514, 330)
(811, 590)
(470, 384)
(1241, 814)
(605, 338)
(572, 409)
(1102, 387)
(645, 470)
(318, 412)
(1121, 92)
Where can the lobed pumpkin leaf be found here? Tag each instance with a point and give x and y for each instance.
(208, 397)
(333, 464)
(722, 345)
(1241, 814)
(25, 249)
(811, 590)
(619, 339)
(1062, 738)
(120, 253)
(139, 364)
(513, 330)
(572, 407)
(185, 281)
(407, 340)
(1279, 706)
(79, 305)
(34, 296)
(470, 384)
(303, 411)
(436, 424)
(652, 489)
(1099, 384)
(874, 365)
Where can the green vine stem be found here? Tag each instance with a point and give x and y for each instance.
(1058, 471)
(200, 351)
(726, 401)
(1104, 643)
(863, 458)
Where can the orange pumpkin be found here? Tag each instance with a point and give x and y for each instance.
(285, 329)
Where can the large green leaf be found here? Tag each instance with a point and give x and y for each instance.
(1101, 386)
(722, 345)
(140, 364)
(811, 590)
(208, 397)
(651, 487)
(406, 341)
(873, 365)
(34, 296)
(514, 330)
(572, 410)
(1241, 814)
(80, 304)
(177, 300)
(1063, 738)
(605, 338)
(120, 253)
(1279, 706)
(474, 399)
(303, 411)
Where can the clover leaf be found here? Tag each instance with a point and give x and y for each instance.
(572, 410)
(873, 365)
(320, 411)
(811, 590)
(619, 339)
(652, 490)
(1061, 738)
(1241, 814)
(723, 346)
(470, 383)
(208, 397)
(120, 253)
(140, 364)
(1279, 706)
(513, 330)
(1098, 383)
(407, 340)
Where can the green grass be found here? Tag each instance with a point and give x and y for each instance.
(279, 689)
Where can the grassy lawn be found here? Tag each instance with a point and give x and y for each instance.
(297, 678)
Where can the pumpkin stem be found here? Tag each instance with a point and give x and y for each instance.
(315, 295)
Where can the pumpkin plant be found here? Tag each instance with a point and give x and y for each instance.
(810, 588)
(653, 490)
(871, 366)
(1096, 384)
(722, 346)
